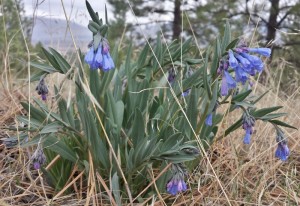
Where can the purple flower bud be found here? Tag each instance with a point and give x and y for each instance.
(42, 88)
(171, 76)
(38, 158)
(245, 63)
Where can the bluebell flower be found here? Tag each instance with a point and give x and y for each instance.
(208, 120)
(232, 60)
(186, 93)
(108, 62)
(240, 75)
(244, 62)
(42, 88)
(227, 83)
(176, 186)
(100, 58)
(282, 152)
(262, 51)
(94, 58)
(247, 138)
(248, 124)
(171, 76)
(38, 158)
(254, 60)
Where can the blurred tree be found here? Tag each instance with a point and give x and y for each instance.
(165, 12)
(12, 45)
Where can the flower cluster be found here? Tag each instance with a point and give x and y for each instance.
(42, 88)
(282, 152)
(176, 184)
(243, 64)
(38, 158)
(100, 58)
(248, 124)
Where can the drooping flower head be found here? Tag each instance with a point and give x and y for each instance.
(244, 64)
(99, 58)
(108, 62)
(248, 124)
(42, 88)
(282, 152)
(177, 184)
(171, 76)
(227, 83)
(38, 158)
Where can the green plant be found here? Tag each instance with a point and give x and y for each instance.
(124, 123)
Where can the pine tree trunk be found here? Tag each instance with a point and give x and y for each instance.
(272, 24)
(177, 19)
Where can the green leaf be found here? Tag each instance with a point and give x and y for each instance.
(215, 60)
(138, 127)
(63, 64)
(58, 146)
(92, 29)
(43, 67)
(264, 111)
(93, 15)
(97, 40)
(143, 56)
(51, 59)
(241, 96)
(34, 112)
(280, 123)
(116, 188)
(51, 128)
(232, 44)
(205, 77)
(260, 97)
(227, 37)
(37, 76)
(193, 61)
(272, 116)
(119, 114)
(234, 126)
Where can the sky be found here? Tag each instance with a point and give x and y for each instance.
(75, 9)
